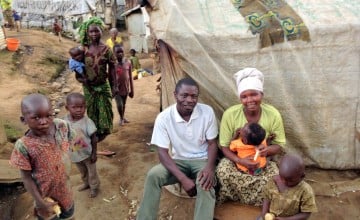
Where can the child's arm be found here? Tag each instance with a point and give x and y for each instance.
(42, 205)
(131, 94)
(93, 157)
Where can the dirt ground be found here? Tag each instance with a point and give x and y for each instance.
(122, 175)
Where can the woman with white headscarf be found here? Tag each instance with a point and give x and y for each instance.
(234, 184)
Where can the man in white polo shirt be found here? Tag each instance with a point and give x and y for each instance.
(190, 128)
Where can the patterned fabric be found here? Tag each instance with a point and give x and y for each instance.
(294, 200)
(96, 64)
(241, 187)
(49, 163)
(274, 20)
(99, 108)
(97, 92)
(84, 39)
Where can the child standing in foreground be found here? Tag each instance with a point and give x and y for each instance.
(287, 195)
(251, 136)
(123, 84)
(83, 152)
(42, 157)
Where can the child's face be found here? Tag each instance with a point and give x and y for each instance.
(119, 53)
(39, 117)
(76, 108)
(132, 52)
(78, 55)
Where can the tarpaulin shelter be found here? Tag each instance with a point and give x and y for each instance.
(309, 52)
(41, 13)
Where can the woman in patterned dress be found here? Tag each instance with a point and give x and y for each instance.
(234, 184)
(98, 81)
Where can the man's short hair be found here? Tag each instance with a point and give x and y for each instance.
(185, 81)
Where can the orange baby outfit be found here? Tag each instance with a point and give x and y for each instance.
(245, 150)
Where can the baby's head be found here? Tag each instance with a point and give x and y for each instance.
(291, 170)
(75, 104)
(77, 54)
(252, 134)
(37, 113)
(132, 52)
(113, 32)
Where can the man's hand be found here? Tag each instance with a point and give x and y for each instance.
(206, 178)
(189, 186)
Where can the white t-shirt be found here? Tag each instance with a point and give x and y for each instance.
(188, 140)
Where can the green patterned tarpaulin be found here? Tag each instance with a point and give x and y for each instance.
(274, 20)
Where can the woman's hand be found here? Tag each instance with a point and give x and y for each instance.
(236, 134)
(270, 138)
(263, 151)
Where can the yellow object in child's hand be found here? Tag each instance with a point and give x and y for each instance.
(269, 216)
(56, 208)
(256, 154)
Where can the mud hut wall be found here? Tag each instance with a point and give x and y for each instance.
(315, 85)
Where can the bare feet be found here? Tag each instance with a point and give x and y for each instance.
(83, 187)
(93, 193)
(126, 121)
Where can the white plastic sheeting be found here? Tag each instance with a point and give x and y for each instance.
(315, 85)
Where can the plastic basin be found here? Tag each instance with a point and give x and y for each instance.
(12, 44)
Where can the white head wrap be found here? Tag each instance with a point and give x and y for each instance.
(249, 78)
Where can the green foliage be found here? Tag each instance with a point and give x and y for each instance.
(12, 133)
